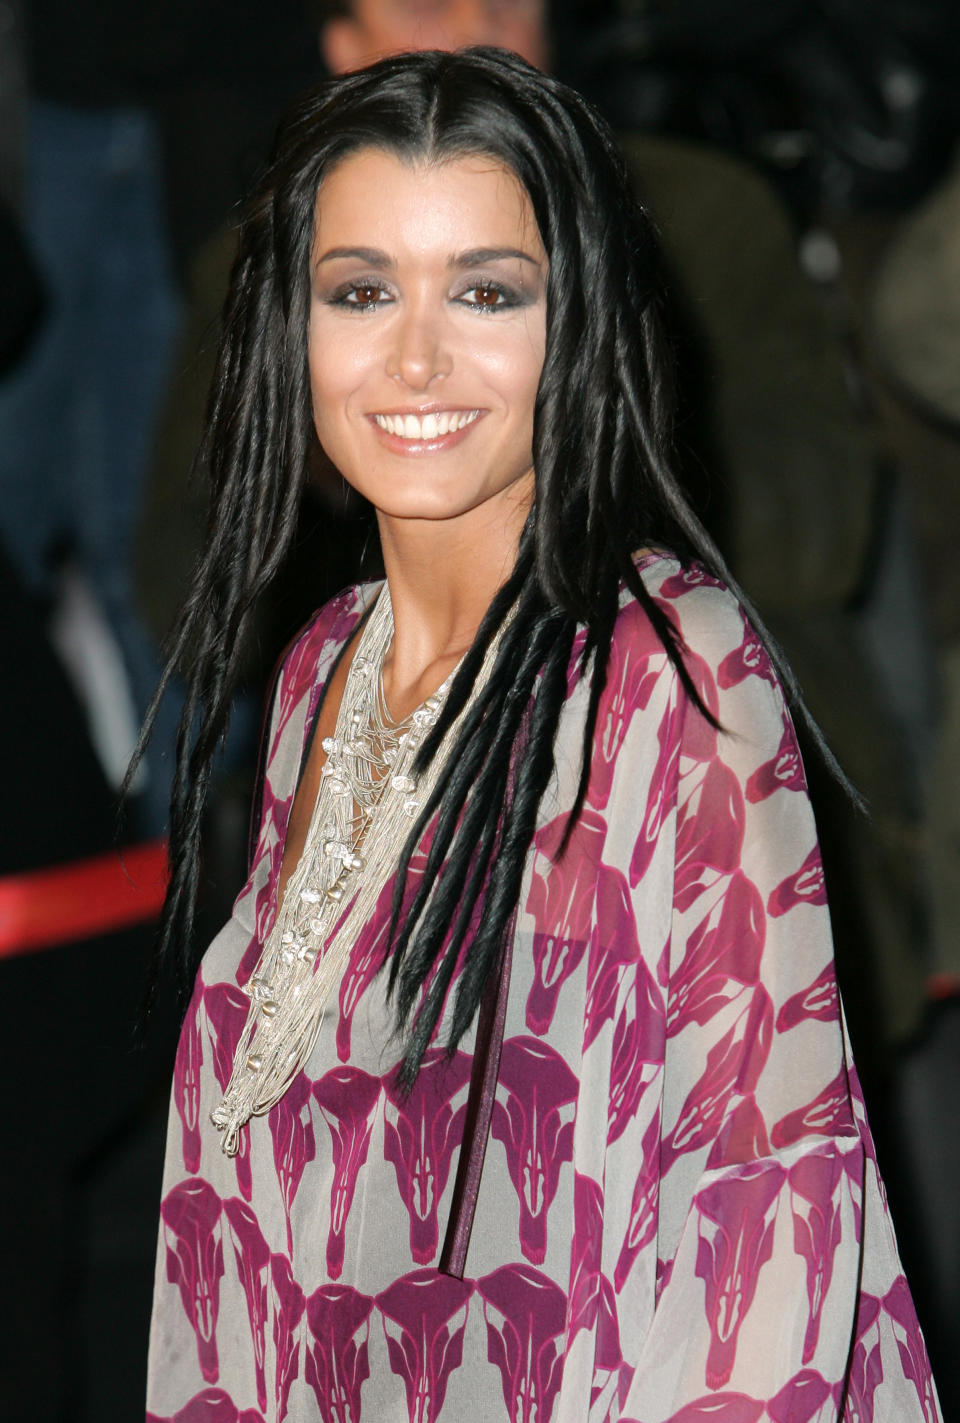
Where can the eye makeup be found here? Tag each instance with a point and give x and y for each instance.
(492, 294)
(484, 294)
(360, 294)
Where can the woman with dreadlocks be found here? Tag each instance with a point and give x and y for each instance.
(515, 1088)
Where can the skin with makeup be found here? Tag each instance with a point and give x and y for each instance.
(425, 342)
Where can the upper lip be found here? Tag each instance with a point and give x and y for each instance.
(436, 408)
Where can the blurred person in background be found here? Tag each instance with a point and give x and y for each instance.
(97, 105)
(354, 33)
(77, 412)
(59, 810)
(913, 306)
(114, 192)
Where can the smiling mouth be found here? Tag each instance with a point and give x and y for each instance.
(426, 427)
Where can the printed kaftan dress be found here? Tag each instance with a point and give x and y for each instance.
(679, 1216)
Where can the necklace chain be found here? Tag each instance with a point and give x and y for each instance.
(366, 803)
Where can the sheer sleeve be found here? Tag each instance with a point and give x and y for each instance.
(779, 1290)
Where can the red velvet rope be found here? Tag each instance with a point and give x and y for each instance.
(58, 904)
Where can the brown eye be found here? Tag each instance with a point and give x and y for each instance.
(367, 294)
(363, 295)
(487, 295)
(490, 296)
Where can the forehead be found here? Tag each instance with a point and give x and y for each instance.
(377, 198)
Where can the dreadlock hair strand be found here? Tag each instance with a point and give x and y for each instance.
(482, 774)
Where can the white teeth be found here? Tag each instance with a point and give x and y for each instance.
(428, 427)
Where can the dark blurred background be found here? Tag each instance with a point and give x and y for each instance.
(800, 160)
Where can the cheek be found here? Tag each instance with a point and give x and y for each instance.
(514, 367)
(333, 376)
(320, 400)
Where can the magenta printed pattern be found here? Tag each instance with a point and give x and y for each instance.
(679, 1218)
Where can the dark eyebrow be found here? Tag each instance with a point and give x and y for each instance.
(479, 256)
(475, 257)
(371, 256)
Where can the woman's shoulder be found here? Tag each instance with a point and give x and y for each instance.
(727, 673)
(720, 648)
(320, 640)
(705, 613)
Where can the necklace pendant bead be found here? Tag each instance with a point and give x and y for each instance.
(268, 1008)
(255, 1062)
(410, 807)
(310, 896)
(402, 783)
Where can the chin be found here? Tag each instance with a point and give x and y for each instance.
(434, 511)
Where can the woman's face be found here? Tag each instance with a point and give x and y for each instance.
(427, 332)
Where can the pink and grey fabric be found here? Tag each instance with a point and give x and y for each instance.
(679, 1216)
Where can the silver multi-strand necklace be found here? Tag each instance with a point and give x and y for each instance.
(368, 798)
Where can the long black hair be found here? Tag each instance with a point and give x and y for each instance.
(604, 489)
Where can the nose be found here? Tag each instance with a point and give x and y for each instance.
(420, 352)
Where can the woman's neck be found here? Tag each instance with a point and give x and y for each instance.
(443, 575)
